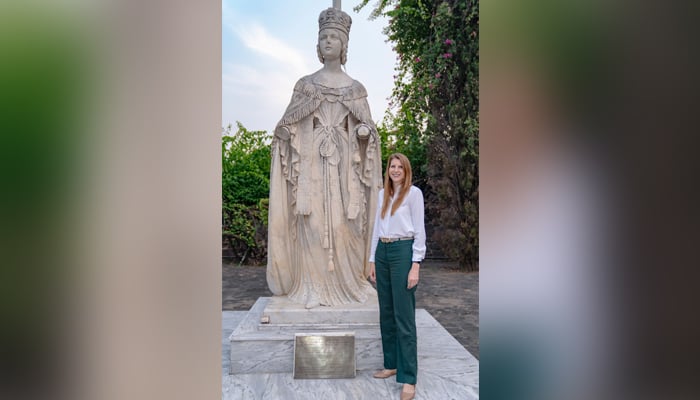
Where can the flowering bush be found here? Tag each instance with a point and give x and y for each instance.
(436, 93)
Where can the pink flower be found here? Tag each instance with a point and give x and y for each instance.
(447, 55)
(448, 41)
(438, 75)
(417, 59)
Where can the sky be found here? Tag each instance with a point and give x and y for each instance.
(267, 45)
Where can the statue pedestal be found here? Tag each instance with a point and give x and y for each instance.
(264, 341)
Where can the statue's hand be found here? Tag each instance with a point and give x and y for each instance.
(362, 131)
(282, 133)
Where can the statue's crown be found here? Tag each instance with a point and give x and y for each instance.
(334, 18)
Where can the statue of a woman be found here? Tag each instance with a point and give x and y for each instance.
(324, 180)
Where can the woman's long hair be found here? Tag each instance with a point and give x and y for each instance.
(389, 184)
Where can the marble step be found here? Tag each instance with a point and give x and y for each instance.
(280, 310)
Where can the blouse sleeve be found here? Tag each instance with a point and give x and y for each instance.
(417, 216)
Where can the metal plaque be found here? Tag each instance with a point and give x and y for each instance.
(328, 355)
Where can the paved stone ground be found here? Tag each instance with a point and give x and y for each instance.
(449, 295)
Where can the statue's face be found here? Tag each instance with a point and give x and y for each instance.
(330, 43)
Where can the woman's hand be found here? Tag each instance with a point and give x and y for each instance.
(413, 275)
(372, 273)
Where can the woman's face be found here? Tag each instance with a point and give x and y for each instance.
(396, 172)
(330, 44)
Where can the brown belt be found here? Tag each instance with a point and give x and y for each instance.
(391, 240)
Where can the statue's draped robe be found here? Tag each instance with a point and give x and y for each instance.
(324, 182)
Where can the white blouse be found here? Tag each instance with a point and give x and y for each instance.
(407, 221)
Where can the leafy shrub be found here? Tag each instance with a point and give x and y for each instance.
(245, 181)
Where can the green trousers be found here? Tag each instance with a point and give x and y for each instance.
(397, 309)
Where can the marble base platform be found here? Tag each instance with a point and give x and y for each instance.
(268, 347)
(445, 370)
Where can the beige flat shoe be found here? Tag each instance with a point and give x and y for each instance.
(406, 395)
(384, 373)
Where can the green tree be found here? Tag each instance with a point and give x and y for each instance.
(245, 180)
(245, 165)
(408, 140)
(436, 97)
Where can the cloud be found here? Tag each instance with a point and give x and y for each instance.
(245, 79)
(255, 97)
(254, 36)
(257, 84)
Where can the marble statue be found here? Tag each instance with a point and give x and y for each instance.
(324, 182)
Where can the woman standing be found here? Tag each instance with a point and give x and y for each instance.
(398, 247)
(325, 175)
